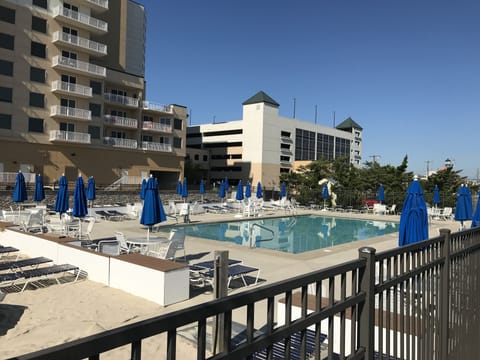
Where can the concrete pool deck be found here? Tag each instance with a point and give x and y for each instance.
(84, 308)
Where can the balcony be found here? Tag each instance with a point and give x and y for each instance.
(69, 136)
(121, 121)
(61, 87)
(286, 152)
(286, 139)
(120, 99)
(99, 5)
(285, 164)
(147, 105)
(80, 20)
(76, 42)
(121, 143)
(78, 67)
(153, 126)
(152, 146)
(66, 112)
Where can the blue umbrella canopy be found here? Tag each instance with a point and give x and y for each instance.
(463, 208)
(239, 195)
(414, 218)
(436, 195)
(79, 199)
(61, 201)
(476, 216)
(283, 190)
(152, 212)
(184, 189)
(142, 189)
(259, 191)
(179, 188)
(20, 189)
(248, 190)
(202, 187)
(381, 194)
(221, 190)
(91, 192)
(39, 193)
(325, 193)
(226, 185)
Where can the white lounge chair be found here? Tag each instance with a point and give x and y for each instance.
(163, 250)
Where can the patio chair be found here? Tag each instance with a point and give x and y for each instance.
(110, 247)
(162, 250)
(391, 210)
(85, 232)
(236, 271)
(125, 248)
(447, 213)
(34, 221)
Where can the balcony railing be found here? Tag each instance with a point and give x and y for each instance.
(78, 66)
(85, 44)
(99, 3)
(147, 105)
(71, 89)
(153, 126)
(120, 99)
(69, 136)
(123, 143)
(286, 139)
(71, 113)
(81, 19)
(152, 146)
(121, 121)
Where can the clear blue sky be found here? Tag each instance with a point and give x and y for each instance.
(407, 71)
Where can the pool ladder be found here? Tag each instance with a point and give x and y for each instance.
(251, 240)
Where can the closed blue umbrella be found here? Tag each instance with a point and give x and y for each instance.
(463, 208)
(436, 196)
(325, 195)
(143, 186)
(414, 218)
(221, 190)
(259, 190)
(20, 189)
(239, 195)
(184, 190)
(202, 189)
(61, 201)
(381, 194)
(476, 216)
(283, 190)
(79, 201)
(248, 190)
(152, 211)
(91, 192)
(179, 188)
(39, 193)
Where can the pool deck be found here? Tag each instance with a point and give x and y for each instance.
(267, 260)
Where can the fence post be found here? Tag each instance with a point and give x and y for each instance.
(444, 303)
(220, 290)
(366, 310)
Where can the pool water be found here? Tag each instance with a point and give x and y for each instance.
(293, 234)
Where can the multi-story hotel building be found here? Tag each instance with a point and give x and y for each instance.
(264, 144)
(72, 94)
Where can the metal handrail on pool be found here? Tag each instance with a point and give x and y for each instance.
(262, 227)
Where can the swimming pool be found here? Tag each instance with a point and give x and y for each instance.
(293, 234)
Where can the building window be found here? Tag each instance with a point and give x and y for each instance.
(196, 157)
(119, 134)
(205, 157)
(37, 74)
(67, 127)
(325, 147)
(177, 124)
(304, 145)
(94, 132)
(5, 120)
(7, 41)
(177, 142)
(96, 109)
(40, 3)
(147, 138)
(35, 125)
(342, 148)
(6, 68)
(6, 94)
(7, 15)
(38, 49)
(39, 24)
(96, 87)
(37, 100)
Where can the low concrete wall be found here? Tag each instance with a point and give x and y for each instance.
(161, 281)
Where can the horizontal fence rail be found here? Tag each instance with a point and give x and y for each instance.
(420, 301)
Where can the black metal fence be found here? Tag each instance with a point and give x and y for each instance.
(420, 301)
